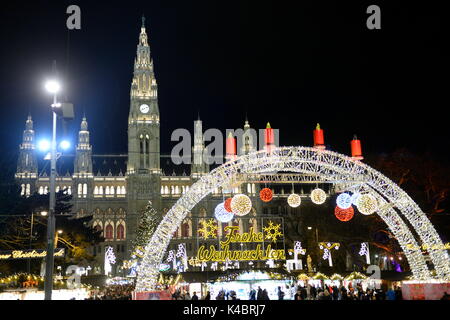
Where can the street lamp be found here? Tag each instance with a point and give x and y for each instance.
(53, 87)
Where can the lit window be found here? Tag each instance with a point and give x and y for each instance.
(109, 232)
(95, 190)
(185, 230)
(85, 189)
(22, 190)
(80, 189)
(120, 232)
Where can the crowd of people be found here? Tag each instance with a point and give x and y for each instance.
(113, 292)
(303, 293)
(343, 293)
(124, 292)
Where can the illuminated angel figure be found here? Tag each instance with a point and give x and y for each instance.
(181, 253)
(272, 231)
(171, 257)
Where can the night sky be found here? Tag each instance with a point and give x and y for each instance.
(292, 66)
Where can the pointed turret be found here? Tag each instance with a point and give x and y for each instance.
(83, 157)
(199, 165)
(27, 163)
(249, 139)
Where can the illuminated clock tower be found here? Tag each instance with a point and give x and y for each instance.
(143, 167)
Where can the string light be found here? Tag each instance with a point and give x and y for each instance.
(318, 196)
(222, 214)
(327, 166)
(366, 204)
(227, 204)
(344, 215)
(266, 194)
(354, 197)
(344, 201)
(294, 200)
(241, 205)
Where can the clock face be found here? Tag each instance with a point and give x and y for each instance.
(144, 108)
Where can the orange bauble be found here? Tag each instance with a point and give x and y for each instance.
(344, 214)
(227, 204)
(265, 194)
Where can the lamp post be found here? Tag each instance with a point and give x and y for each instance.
(52, 87)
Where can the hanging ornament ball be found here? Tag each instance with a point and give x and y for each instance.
(354, 198)
(222, 214)
(294, 200)
(241, 205)
(266, 194)
(318, 196)
(227, 204)
(366, 204)
(344, 214)
(344, 201)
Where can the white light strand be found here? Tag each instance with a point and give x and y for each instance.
(327, 165)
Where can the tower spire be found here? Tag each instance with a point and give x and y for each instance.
(143, 21)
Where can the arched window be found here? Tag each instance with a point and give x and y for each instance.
(124, 191)
(80, 189)
(177, 190)
(147, 143)
(41, 190)
(185, 230)
(109, 232)
(28, 191)
(166, 190)
(100, 190)
(95, 190)
(107, 190)
(85, 189)
(120, 232)
(22, 190)
(46, 190)
(69, 190)
(112, 190)
(249, 188)
(162, 190)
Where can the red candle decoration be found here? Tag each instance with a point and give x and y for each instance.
(344, 215)
(231, 147)
(227, 204)
(265, 194)
(319, 141)
(269, 137)
(355, 145)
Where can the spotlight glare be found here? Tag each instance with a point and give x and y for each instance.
(44, 145)
(52, 86)
(65, 144)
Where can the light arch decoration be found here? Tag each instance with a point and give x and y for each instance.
(393, 204)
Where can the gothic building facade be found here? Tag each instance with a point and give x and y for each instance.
(114, 189)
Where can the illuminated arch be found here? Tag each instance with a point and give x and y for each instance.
(328, 166)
